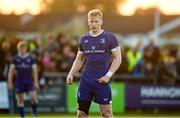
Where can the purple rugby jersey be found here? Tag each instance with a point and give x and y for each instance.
(97, 51)
(24, 67)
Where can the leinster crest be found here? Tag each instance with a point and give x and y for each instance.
(102, 41)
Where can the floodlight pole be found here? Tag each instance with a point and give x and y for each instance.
(157, 25)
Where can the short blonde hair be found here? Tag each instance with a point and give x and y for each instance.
(95, 12)
(21, 44)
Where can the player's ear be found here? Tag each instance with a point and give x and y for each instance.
(88, 21)
(101, 22)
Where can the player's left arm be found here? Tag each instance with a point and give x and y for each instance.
(116, 53)
(35, 76)
(11, 74)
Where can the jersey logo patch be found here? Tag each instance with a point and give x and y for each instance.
(105, 99)
(86, 41)
(28, 60)
(18, 60)
(93, 47)
(102, 40)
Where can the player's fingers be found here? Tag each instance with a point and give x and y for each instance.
(69, 80)
(66, 80)
(10, 87)
(37, 87)
(101, 81)
(98, 80)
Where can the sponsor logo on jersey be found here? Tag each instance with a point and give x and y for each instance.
(94, 51)
(23, 65)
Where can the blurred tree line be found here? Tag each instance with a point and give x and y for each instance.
(83, 6)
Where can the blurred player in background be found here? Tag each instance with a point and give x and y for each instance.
(95, 49)
(24, 67)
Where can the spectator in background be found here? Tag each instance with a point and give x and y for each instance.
(2, 59)
(162, 71)
(47, 62)
(55, 58)
(74, 43)
(177, 63)
(133, 56)
(5, 59)
(123, 69)
(166, 68)
(151, 58)
(51, 44)
(61, 40)
(7, 50)
(67, 58)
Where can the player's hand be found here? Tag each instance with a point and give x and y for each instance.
(104, 79)
(10, 86)
(69, 79)
(36, 85)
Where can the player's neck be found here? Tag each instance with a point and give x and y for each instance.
(95, 34)
(23, 55)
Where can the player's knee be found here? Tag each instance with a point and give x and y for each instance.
(83, 107)
(34, 101)
(20, 104)
(81, 114)
(107, 114)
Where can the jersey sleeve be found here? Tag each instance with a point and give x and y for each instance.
(113, 42)
(33, 62)
(80, 48)
(13, 62)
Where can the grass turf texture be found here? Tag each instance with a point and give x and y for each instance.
(123, 115)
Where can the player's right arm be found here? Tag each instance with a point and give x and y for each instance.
(11, 76)
(77, 64)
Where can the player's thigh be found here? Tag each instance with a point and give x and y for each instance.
(103, 95)
(20, 88)
(106, 109)
(31, 91)
(20, 97)
(85, 92)
(29, 87)
(33, 95)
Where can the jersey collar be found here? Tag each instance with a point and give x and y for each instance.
(23, 56)
(96, 34)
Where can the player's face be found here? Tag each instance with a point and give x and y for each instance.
(23, 49)
(94, 23)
